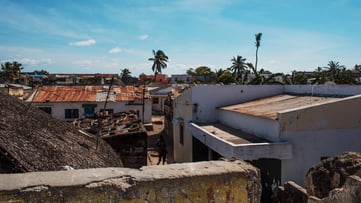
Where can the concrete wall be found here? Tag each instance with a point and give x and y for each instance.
(199, 104)
(216, 181)
(345, 113)
(345, 90)
(262, 127)
(310, 146)
(209, 97)
(58, 109)
(182, 115)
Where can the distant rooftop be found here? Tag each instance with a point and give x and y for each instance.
(268, 107)
(87, 93)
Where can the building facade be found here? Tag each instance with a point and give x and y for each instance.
(74, 102)
(283, 130)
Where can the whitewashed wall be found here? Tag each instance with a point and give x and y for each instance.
(182, 113)
(320, 131)
(323, 89)
(262, 127)
(310, 146)
(58, 109)
(209, 97)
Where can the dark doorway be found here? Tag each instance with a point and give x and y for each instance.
(270, 176)
(200, 151)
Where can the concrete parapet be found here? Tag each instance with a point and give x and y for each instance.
(214, 181)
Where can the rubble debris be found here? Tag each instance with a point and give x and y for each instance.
(124, 131)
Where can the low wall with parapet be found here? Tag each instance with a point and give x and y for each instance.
(214, 181)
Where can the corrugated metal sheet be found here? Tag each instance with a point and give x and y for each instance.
(268, 107)
(58, 94)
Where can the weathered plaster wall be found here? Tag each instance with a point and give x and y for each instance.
(340, 90)
(262, 127)
(341, 114)
(182, 114)
(216, 181)
(207, 98)
(310, 146)
(58, 109)
(319, 131)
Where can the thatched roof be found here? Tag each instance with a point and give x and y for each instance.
(37, 142)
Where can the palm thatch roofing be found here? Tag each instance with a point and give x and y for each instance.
(31, 140)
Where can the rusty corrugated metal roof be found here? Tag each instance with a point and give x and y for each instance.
(268, 107)
(58, 94)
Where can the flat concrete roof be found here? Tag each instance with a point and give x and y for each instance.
(268, 107)
(231, 135)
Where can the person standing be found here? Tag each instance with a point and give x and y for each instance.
(162, 149)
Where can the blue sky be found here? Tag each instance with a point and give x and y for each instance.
(106, 36)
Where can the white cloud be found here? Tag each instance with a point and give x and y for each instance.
(143, 37)
(31, 62)
(83, 43)
(115, 50)
(83, 62)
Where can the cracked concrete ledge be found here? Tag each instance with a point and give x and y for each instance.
(234, 181)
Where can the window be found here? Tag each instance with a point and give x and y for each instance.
(156, 100)
(45, 109)
(181, 133)
(71, 113)
(110, 111)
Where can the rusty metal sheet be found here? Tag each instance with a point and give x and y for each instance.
(58, 94)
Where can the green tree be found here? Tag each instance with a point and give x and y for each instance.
(10, 72)
(225, 77)
(41, 72)
(239, 68)
(333, 69)
(125, 75)
(298, 78)
(159, 61)
(258, 44)
(206, 72)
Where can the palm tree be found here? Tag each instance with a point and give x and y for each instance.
(258, 44)
(11, 71)
(125, 75)
(333, 70)
(159, 62)
(238, 67)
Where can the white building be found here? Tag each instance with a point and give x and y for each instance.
(283, 130)
(73, 102)
(159, 95)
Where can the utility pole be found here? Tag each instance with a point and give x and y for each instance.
(143, 101)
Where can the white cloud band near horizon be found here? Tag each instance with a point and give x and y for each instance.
(83, 43)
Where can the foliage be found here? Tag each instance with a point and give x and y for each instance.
(226, 77)
(159, 61)
(41, 72)
(239, 68)
(297, 78)
(258, 44)
(10, 72)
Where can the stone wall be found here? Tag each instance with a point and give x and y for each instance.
(215, 181)
(350, 192)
